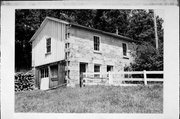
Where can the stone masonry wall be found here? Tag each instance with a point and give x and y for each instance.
(82, 50)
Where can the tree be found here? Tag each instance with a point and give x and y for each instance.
(147, 58)
(141, 28)
(27, 21)
(137, 24)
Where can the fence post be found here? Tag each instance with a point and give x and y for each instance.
(145, 81)
(83, 82)
(110, 78)
(83, 79)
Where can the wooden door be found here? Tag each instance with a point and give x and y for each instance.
(44, 83)
(82, 69)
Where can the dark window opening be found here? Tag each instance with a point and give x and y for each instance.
(54, 71)
(124, 49)
(109, 68)
(96, 43)
(97, 70)
(48, 45)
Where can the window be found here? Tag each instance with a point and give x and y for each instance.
(44, 72)
(124, 45)
(96, 43)
(48, 45)
(109, 68)
(96, 70)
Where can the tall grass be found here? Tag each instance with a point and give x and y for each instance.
(93, 99)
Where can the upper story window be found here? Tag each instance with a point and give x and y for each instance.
(96, 43)
(124, 46)
(48, 45)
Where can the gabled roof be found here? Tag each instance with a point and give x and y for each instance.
(77, 25)
(44, 23)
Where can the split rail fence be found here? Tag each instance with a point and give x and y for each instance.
(119, 78)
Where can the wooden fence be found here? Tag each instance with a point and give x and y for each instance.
(118, 78)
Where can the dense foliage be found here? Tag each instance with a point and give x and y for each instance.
(147, 58)
(141, 28)
(136, 24)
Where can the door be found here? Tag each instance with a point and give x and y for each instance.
(44, 79)
(109, 68)
(83, 67)
(54, 76)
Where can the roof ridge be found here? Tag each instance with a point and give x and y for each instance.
(78, 25)
(105, 32)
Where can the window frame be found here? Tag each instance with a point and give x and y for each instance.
(99, 43)
(44, 72)
(126, 55)
(48, 45)
(97, 75)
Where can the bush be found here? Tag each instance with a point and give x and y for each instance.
(148, 58)
(24, 82)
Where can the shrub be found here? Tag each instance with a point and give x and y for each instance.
(24, 82)
(148, 58)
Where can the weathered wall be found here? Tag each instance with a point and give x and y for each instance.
(56, 31)
(81, 50)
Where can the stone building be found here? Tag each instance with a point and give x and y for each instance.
(62, 49)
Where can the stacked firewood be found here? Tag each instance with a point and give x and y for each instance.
(24, 82)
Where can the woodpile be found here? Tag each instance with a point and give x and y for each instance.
(24, 82)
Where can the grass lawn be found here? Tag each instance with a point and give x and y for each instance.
(97, 99)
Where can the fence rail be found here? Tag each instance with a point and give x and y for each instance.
(115, 78)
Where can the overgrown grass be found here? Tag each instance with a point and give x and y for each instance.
(93, 99)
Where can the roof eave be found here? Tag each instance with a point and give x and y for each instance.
(73, 24)
(107, 33)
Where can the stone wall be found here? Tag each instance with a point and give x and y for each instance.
(81, 50)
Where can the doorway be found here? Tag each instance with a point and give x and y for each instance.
(82, 69)
(109, 68)
(54, 76)
(44, 73)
